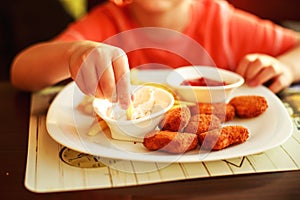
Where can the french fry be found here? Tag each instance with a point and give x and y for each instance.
(129, 111)
(164, 87)
(86, 105)
(186, 103)
(96, 127)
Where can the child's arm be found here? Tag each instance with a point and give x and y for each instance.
(41, 65)
(95, 67)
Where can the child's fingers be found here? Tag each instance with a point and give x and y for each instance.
(276, 85)
(242, 67)
(107, 84)
(255, 68)
(261, 77)
(122, 76)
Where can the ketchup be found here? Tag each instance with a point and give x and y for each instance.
(202, 82)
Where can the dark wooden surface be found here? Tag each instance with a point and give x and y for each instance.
(275, 10)
(14, 120)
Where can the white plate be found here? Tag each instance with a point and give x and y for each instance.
(69, 127)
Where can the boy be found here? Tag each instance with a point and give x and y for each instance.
(258, 50)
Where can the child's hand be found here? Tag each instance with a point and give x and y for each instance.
(258, 69)
(101, 70)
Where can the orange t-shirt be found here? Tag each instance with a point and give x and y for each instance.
(217, 34)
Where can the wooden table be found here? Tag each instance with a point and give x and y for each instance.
(14, 119)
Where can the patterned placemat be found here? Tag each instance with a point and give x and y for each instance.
(52, 167)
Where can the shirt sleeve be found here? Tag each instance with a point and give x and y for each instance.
(250, 34)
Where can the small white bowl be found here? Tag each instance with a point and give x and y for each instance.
(135, 130)
(204, 94)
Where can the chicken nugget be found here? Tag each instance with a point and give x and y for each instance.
(169, 141)
(249, 106)
(175, 119)
(200, 123)
(218, 139)
(225, 112)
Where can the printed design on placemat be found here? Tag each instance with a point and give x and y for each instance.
(82, 160)
(238, 163)
(77, 159)
(291, 100)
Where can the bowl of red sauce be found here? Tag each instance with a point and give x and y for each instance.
(203, 83)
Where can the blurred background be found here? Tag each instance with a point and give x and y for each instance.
(24, 22)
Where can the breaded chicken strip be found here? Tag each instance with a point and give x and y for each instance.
(225, 112)
(249, 106)
(218, 139)
(176, 119)
(200, 123)
(172, 142)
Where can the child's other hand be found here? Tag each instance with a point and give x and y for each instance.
(258, 69)
(102, 71)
